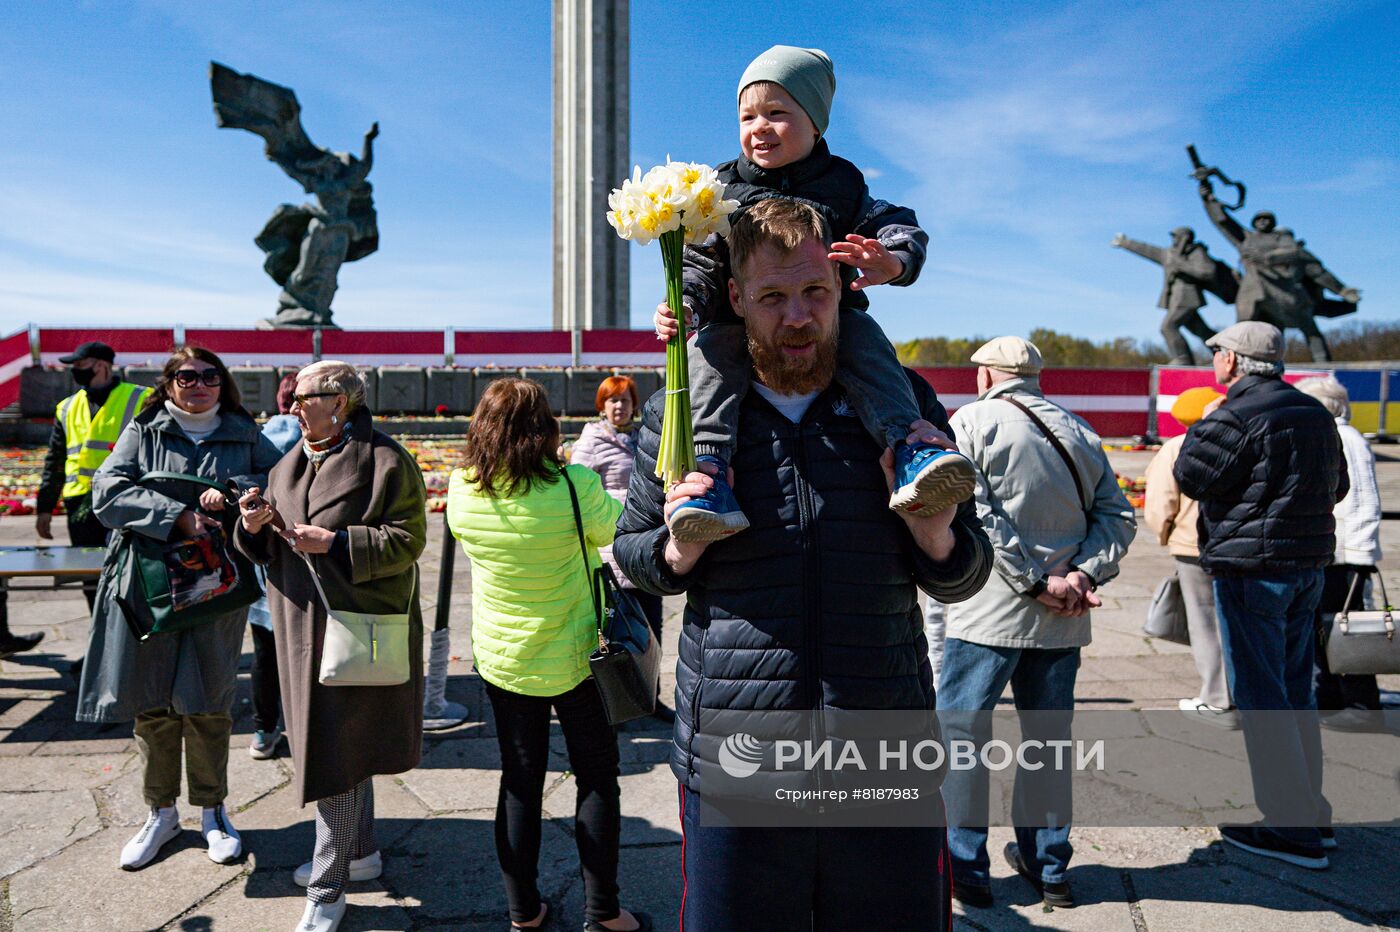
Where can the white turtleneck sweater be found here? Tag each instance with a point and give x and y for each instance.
(198, 426)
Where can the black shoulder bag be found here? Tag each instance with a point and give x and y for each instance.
(628, 659)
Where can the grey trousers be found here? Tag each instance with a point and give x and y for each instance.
(721, 371)
(1204, 627)
(344, 832)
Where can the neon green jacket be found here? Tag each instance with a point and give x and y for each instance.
(532, 612)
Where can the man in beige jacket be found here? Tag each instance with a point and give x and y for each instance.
(1172, 516)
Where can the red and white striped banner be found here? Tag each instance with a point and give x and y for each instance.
(14, 357)
(1113, 401)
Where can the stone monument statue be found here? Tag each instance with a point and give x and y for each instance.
(1283, 284)
(1188, 271)
(305, 244)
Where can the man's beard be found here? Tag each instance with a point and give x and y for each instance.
(795, 375)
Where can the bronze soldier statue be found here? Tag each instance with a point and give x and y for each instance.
(1188, 271)
(305, 244)
(1283, 283)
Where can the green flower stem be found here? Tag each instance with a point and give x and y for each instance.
(676, 456)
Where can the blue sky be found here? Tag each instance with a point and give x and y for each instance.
(1024, 135)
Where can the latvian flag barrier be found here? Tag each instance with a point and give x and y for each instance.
(1116, 402)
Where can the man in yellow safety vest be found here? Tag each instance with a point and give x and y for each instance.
(86, 425)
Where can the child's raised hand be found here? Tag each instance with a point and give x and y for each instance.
(664, 320)
(876, 263)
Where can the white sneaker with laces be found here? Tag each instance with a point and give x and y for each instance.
(322, 917)
(1201, 710)
(161, 826)
(225, 844)
(368, 867)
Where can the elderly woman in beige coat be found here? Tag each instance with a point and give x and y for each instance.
(351, 503)
(1172, 517)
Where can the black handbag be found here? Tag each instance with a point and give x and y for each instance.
(165, 586)
(628, 659)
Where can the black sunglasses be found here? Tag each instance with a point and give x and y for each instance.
(303, 399)
(187, 378)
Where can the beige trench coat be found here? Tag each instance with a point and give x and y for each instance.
(371, 488)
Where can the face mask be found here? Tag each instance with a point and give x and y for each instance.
(84, 376)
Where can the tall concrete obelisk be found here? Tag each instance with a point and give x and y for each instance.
(590, 159)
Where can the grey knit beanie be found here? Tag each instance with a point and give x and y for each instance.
(806, 74)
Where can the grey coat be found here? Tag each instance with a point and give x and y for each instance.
(189, 671)
(373, 490)
(1026, 500)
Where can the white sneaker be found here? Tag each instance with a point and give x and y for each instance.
(161, 826)
(368, 867)
(322, 917)
(1201, 710)
(225, 844)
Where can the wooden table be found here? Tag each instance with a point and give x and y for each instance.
(65, 565)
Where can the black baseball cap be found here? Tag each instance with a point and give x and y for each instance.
(92, 350)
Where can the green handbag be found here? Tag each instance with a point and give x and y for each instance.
(165, 586)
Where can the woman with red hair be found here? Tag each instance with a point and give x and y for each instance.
(607, 447)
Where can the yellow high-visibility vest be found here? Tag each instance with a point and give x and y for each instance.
(90, 437)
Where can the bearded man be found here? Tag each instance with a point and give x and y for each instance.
(813, 610)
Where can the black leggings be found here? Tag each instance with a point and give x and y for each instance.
(266, 690)
(522, 730)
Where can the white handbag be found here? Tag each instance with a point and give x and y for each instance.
(1360, 641)
(362, 649)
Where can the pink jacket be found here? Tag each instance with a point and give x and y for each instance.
(608, 452)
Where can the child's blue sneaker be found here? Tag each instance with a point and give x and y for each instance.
(711, 517)
(929, 479)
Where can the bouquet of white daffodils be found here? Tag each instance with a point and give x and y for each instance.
(677, 203)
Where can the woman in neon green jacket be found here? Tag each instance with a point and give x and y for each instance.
(532, 631)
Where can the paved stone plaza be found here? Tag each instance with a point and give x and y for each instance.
(70, 797)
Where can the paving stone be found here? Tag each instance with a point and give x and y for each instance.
(457, 775)
(647, 877)
(453, 889)
(81, 889)
(1229, 898)
(649, 805)
(261, 902)
(34, 825)
(52, 773)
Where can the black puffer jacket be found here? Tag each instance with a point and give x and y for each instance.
(814, 606)
(837, 190)
(1267, 468)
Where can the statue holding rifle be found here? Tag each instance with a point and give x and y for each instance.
(305, 244)
(1283, 283)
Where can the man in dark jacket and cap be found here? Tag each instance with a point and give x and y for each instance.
(1266, 467)
(811, 612)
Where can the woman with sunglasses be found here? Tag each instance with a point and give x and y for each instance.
(351, 504)
(179, 686)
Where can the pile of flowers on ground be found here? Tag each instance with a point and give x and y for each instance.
(1134, 489)
(20, 469)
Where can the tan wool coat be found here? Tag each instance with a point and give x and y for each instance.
(373, 489)
(1170, 514)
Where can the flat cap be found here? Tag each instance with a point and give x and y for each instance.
(1009, 354)
(91, 350)
(1252, 338)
